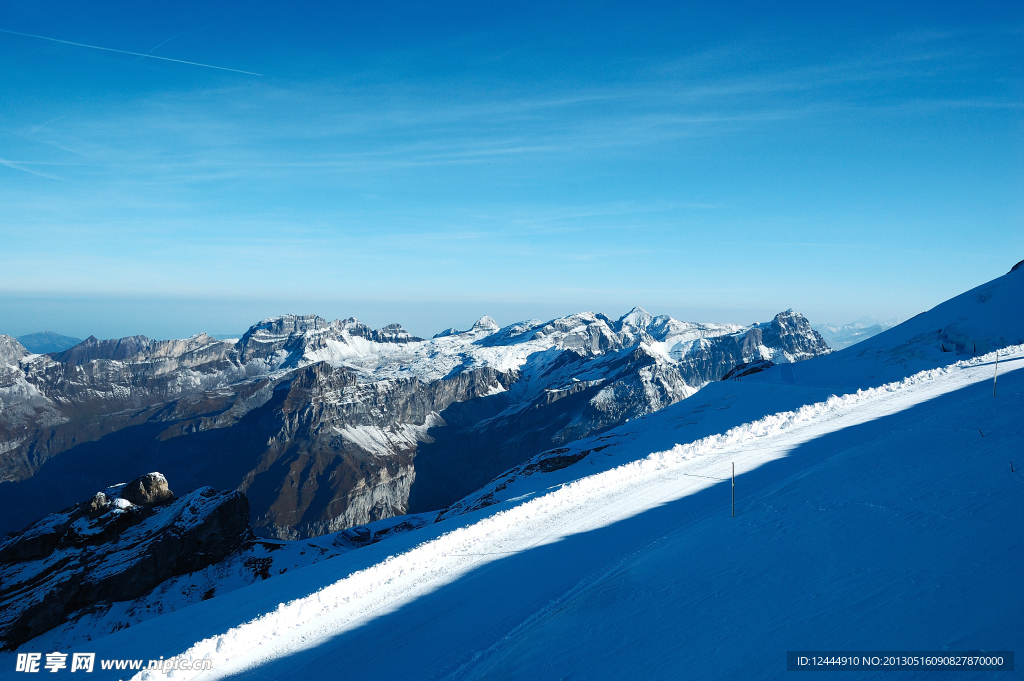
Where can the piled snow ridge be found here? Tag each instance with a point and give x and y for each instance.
(299, 623)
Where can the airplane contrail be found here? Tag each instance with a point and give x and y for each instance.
(136, 54)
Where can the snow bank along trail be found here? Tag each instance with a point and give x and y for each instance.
(579, 506)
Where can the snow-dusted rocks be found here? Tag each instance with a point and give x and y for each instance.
(110, 548)
(748, 369)
(328, 424)
(11, 352)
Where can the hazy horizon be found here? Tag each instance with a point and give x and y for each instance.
(180, 318)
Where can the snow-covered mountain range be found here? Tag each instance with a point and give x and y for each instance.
(329, 424)
(880, 475)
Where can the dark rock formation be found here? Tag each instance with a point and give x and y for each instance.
(148, 490)
(111, 549)
(748, 368)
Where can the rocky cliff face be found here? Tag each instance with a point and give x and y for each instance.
(116, 546)
(329, 424)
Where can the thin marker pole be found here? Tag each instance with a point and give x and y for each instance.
(996, 376)
(733, 489)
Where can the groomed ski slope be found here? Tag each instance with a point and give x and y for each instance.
(882, 519)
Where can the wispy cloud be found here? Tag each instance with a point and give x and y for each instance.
(36, 128)
(318, 129)
(16, 165)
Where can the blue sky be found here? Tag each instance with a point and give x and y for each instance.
(430, 163)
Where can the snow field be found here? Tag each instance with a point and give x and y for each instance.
(546, 516)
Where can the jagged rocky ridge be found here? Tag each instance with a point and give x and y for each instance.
(329, 424)
(116, 546)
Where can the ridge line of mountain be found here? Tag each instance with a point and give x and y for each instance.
(330, 424)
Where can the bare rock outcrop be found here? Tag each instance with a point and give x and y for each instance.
(110, 548)
(148, 490)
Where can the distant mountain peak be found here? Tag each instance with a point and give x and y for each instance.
(393, 333)
(289, 323)
(485, 323)
(637, 317)
(43, 342)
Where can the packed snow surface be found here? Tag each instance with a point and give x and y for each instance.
(879, 519)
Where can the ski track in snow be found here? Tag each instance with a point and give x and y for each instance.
(575, 507)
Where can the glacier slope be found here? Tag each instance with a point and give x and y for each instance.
(558, 593)
(460, 604)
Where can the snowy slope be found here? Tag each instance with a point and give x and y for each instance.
(879, 519)
(974, 323)
(854, 518)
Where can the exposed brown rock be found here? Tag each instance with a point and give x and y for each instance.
(148, 490)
